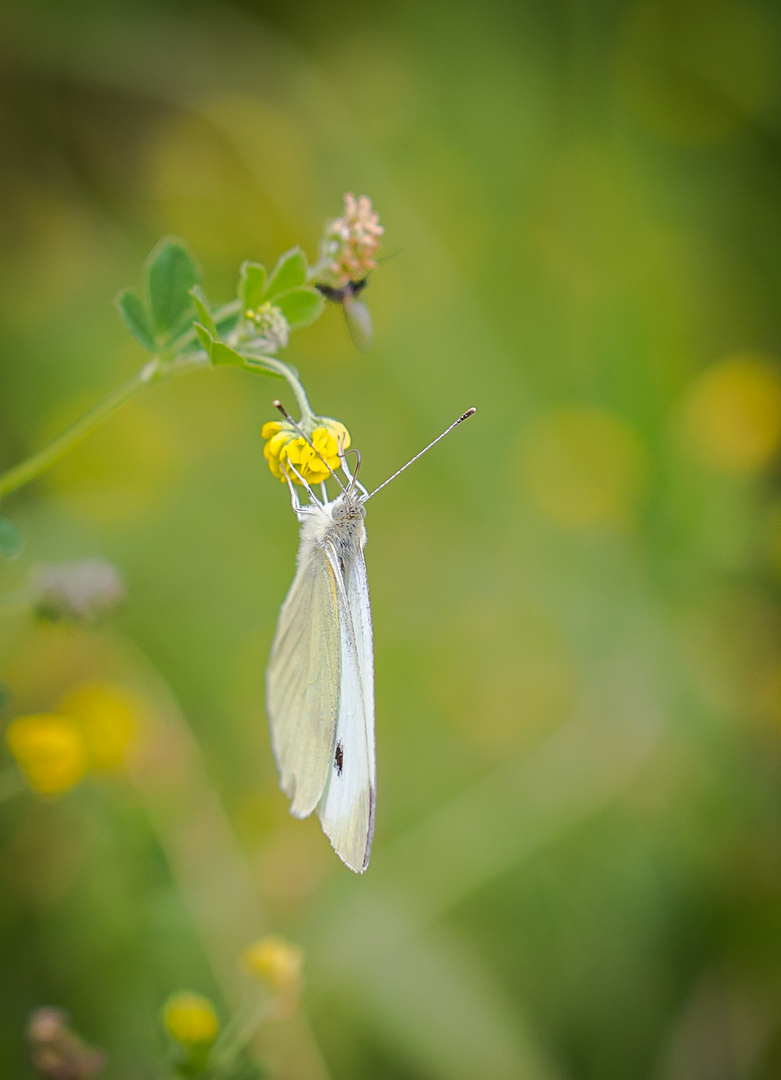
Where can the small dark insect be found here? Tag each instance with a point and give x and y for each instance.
(347, 292)
(339, 759)
(359, 321)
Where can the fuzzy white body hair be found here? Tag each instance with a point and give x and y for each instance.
(346, 532)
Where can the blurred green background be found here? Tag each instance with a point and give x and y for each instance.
(577, 864)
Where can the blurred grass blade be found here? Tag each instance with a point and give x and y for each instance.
(529, 801)
(11, 541)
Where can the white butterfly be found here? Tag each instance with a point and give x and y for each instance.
(320, 679)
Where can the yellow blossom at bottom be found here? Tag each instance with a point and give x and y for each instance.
(49, 750)
(285, 445)
(190, 1019)
(275, 961)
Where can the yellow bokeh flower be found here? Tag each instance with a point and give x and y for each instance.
(285, 445)
(50, 751)
(190, 1019)
(732, 414)
(584, 468)
(275, 961)
(108, 716)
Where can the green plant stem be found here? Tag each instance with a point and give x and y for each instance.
(154, 371)
(238, 1034)
(220, 314)
(277, 367)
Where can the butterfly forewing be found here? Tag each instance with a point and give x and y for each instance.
(303, 682)
(346, 809)
(359, 323)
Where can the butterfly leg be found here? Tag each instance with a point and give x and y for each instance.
(291, 468)
(293, 495)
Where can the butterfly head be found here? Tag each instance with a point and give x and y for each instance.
(348, 508)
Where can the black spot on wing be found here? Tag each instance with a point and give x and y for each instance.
(339, 759)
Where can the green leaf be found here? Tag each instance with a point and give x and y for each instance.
(171, 273)
(289, 273)
(11, 542)
(132, 310)
(224, 354)
(205, 336)
(300, 306)
(202, 307)
(219, 352)
(252, 282)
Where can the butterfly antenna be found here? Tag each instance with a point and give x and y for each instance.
(353, 476)
(461, 419)
(278, 405)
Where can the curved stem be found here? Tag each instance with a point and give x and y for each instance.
(220, 314)
(270, 363)
(22, 474)
(154, 371)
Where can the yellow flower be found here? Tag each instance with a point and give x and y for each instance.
(49, 750)
(277, 435)
(275, 961)
(584, 468)
(732, 414)
(108, 717)
(285, 445)
(190, 1019)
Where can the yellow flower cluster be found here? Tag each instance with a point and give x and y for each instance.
(285, 445)
(92, 729)
(276, 961)
(190, 1019)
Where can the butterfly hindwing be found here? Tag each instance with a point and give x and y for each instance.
(303, 680)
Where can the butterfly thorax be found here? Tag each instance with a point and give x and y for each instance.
(339, 524)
